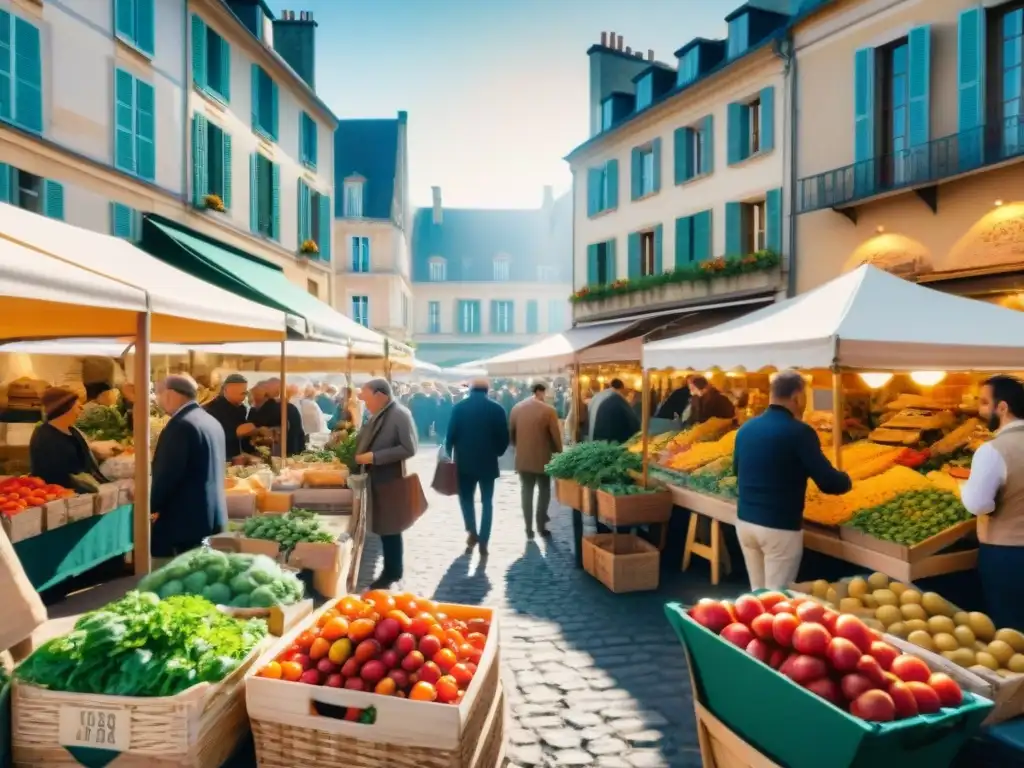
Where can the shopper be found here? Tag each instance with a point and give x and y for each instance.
(58, 452)
(707, 402)
(535, 435)
(187, 494)
(614, 419)
(230, 411)
(776, 454)
(268, 415)
(477, 438)
(995, 494)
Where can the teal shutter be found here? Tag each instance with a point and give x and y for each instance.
(611, 172)
(304, 215)
(633, 263)
(767, 119)
(864, 121)
(773, 220)
(657, 250)
(5, 183)
(124, 120)
(200, 139)
(593, 185)
(708, 145)
(302, 137)
(53, 199)
(254, 193)
(145, 130)
(970, 87)
(273, 110)
(702, 236)
(6, 60)
(656, 150)
(275, 201)
(531, 316)
(124, 19)
(635, 169)
(255, 69)
(28, 77)
(121, 217)
(198, 51)
(684, 247)
(225, 166)
(326, 227)
(613, 261)
(737, 137)
(225, 70)
(494, 317)
(145, 26)
(592, 270)
(919, 44)
(681, 150)
(733, 229)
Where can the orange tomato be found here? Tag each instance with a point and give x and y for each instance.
(326, 616)
(360, 629)
(483, 626)
(445, 659)
(423, 692)
(447, 689)
(305, 639)
(427, 617)
(272, 670)
(438, 632)
(386, 687)
(462, 674)
(381, 600)
(477, 639)
(401, 617)
(407, 602)
(441, 618)
(455, 637)
(419, 626)
(354, 608)
(336, 628)
(320, 647)
(291, 671)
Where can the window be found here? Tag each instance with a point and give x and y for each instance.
(688, 67)
(547, 274)
(604, 269)
(751, 126)
(697, 140)
(754, 112)
(647, 253)
(434, 317)
(315, 219)
(644, 92)
(354, 199)
(134, 126)
(313, 287)
(894, 120)
(211, 162)
(21, 73)
(607, 114)
(28, 191)
(211, 61)
(502, 318)
(556, 315)
(1009, 80)
(603, 188)
(532, 319)
(125, 222)
(361, 310)
(265, 204)
(739, 36)
(264, 103)
(134, 23)
(469, 316)
(438, 270)
(360, 251)
(646, 171)
(502, 269)
(308, 141)
(754, 227)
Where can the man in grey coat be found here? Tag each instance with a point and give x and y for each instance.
(383, 446)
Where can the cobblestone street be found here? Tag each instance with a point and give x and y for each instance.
(592, 678)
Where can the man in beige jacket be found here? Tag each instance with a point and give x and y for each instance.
(24, 609)
(534, 433)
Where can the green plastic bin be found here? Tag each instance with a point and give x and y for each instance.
(797, 728)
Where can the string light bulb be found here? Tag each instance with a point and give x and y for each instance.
(876, 380)
(927, 378)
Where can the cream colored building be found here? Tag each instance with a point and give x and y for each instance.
(908, 141)
(98, 124)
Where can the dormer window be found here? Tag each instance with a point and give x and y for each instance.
(607, 113)
(739, 35)
(353, 200)
(438, 269)
(645, 91)
(689, 67)
(502, 268)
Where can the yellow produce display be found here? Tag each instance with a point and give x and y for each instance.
(945, 482)
(869, 492)
(655, 444)
(860, 452)
(958, 438)
(712, 429)
(824, 509)
(873, 466)
(696, 456)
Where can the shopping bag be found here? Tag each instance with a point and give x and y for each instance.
(445, 480)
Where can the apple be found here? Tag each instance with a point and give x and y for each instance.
(769, 599)
(738, 634)
(355, 684)
(759, 649)
(947, 688)
(366, 650)
(334, 681)
(387, 631)
(802, 669)
(910, 669)
(842, 654)
(854, 630)
(828, 621)
(903, 698)
(312, 677)
(711, 614)
(326, 666)
(390, 658)
(430, 673)
(854, 685)
(350, 668)
(783, 627)
(725, 604)
(413, 661)
(827, 688)
(373, 671)
(810, 611)
(875, 706)
(762, 626)
(303, 660)
(405, 644)
(778, 658)
(928, 701)
(872, 670)
(811, 639)
(430, 645)
(784, 607)
(884, 653)
(748, 608)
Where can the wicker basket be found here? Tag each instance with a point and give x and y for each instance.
(634, 509)
(569, 493)
(198, 728)
(291, 726)
(622, 562)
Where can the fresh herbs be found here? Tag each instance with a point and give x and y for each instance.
(299, 525)
(626, 489)
(595, 464)
(103, 422)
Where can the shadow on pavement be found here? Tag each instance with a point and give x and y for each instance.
(459, 585)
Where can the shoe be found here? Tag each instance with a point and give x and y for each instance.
(471, 541)
(529, 533)
(545, 533)
(483, 551)
(385, 581)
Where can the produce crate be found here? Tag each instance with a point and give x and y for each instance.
(569, 493)
(125, 491)
(622, 562)
(634, 509)
(274, 502)
(241, 505)
(323, 499)
(764, 716)
(55, 514)
(842, 588)
(295, 724)
(913, 553)
(81, 507)
(325, 478)
(721, 748)
(588, 501)
(197, 728)
(23, 525)
(106, 499)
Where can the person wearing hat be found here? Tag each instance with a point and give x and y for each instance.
(230, 411)
(268, 415)
(187, 494)
(58, 451)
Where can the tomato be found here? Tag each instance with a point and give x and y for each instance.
(319, 648)
(305, 640)
(335, 628)
(386, 687)
(447, 689)
(407, 603)
(401, 617)
(326, 616)
(454, 637)
(477, 639)
(462, 674)
(291, 671)
(445, 659)
(381, 600)
(423, 692)
(438, 632)
(468, 652)
(272, 670)
(360, 629)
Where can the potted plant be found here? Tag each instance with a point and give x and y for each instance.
(309, 248)
(214, 203)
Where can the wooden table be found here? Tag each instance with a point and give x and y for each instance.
(718, 511)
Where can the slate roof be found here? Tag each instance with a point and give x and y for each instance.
(368, 148)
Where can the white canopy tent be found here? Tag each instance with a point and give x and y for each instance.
(866, 319)
(556, 353)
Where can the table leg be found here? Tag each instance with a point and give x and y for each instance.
(577, 536)
(691, 538)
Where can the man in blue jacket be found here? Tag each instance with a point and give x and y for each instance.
(776, 454)
(477, 438)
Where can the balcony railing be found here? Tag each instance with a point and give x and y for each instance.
(919, 166)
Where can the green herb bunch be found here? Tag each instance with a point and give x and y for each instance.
(595, 464)
(299, 525)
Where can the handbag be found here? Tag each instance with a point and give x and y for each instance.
(396, 505)
(445, 478)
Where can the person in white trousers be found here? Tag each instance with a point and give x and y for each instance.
(776, 454)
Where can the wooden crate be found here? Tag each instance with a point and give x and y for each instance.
(634, 509)
(198, 728)
(23, 525)
(106, 499)
(622, 562)
(588, 501)
(569, 493)
(81, 507)
(914, 553)
(55, 514)
(295, 724)
(721, 747)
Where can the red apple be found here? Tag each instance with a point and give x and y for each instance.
(810, 611)
(373, 671)
(413, 661)
(405, 643)
(748, 608)
(334, 681)
(769, 599)
(387, 631)
(762, 626)
(875, 706)
(910, 669)
(884, 653)
(350, 668)
(326, 666)
(870, 668)
(390, 658)
(312, 677)
(759, 649)
(827, 688)
(812, 639)
(730, 608)
(802, 669)
(928, 701)
(854, 630)
(903, 698)
(778, 658)
(783, 627)
(784, 607)
(711, 614)
(430, 645)
(355, 684)
(947, 688)
(430, 673)
(738, 634)
(855, 684)
(842, 654)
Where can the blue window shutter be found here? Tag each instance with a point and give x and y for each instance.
(611, 172)
(199, 165)
(314, 141)
(124, 121)
(145, 130)
(124, 19)
(531, 316)
(5, 183)
(736, 136)
(256, 97)
(864, 121)
(733, 229)
(613, 261)
(275, 200)
(494, 317)
(254, 193)
(773, 220)
(302, 137)
(682, 162)
(28, 74)
(702, 236)
(225, 70)
(767, 119)
(635, 169)
(198, 51)
(304, 217)
(633, 263)
(593, 182)
(656, 150)
(53, 199)
(684, 249)
(6, 66)
(121, 217)
(970, 87)
(592, 272)
(657, 250)
(708, 148)
(273, 110)
(145, 26)
(326, 227)
(919, 43)
(226, 169)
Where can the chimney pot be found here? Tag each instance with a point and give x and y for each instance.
(619, 43)
(629, 51)
(650, 54)
(438, 213)
(604, 39)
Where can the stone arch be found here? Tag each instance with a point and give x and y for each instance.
(897, 254)
(996, 238)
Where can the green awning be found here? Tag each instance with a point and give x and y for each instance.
(253, 278)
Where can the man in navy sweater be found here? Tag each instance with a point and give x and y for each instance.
(776, 454)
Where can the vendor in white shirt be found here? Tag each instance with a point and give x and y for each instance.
(995, 494)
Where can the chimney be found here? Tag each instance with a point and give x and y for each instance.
(604, 39)
(650, 54)
(618, 43)
(295, 41)
(438, 211)
(403, 116)
(629, 51)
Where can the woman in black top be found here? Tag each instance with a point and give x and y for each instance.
(57, 450)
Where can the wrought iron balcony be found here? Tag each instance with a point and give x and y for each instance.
(922, 166)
